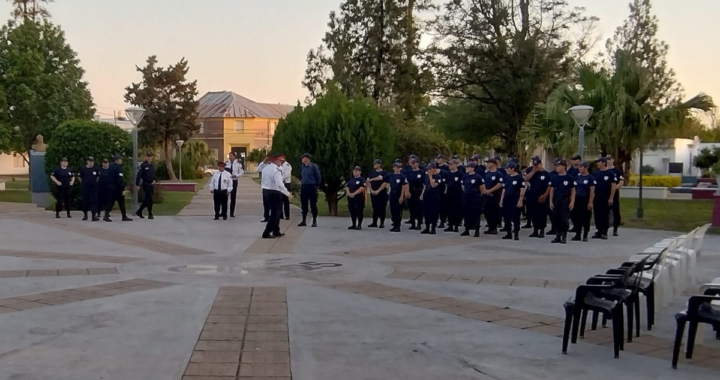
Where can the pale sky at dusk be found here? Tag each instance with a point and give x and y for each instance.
(257, 48)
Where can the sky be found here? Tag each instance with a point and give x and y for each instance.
(258, 48)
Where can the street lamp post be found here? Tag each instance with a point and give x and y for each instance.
(581, 114)
(180, 144)
(135, 115)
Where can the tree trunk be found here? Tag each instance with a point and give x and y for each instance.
(332, 201)
(169, 160)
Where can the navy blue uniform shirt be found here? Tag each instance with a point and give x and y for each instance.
(89, 176)
(396, 182)
(416, 179)
(562, 186)
(512, 184)
(429, 190)
(146, 174)
(492, 179)
(539, 182)
(63, 176)
(620, 179)
(310, 174)
(574, 172)
(116, 176)
(583, 183)
(472, 183)
(355, 183)
(374, 174)
(462, 168)
(454, 183)
(604, 179)
(104, 177)
(444, 167)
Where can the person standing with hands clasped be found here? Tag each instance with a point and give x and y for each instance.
(221, 184)
(146, 179)
(474, 186)
(539, 181)
(355, 190)
(378, 194)
(562, 200)
(584, 194)
(234, 167)
(454, 196)
(493, 194)
(88, 177)
(398, 190)
(511, 200)
(64, 179)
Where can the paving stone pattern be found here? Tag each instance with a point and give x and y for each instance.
(408, 246)
(485, 280)
(56, 272)
(534, 261)
(67, 256)
(285, 244)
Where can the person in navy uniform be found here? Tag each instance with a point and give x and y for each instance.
(615, 207)
(442, 168)
(118, 189)
(88, 177)
(460, 167)
(539, 180)
(473, 186)
(146, 179)
(605, 187)
(398, 190)
(355, 190)
(552, 174)
(416, 181)
(511, 200)
(584, 194)
(430, 198)
(493, 193)
(500, 167)
(562, 201)
(105, 190)
(524, 214)
(453, 182)
(441, 164)
(378, 194)
(574, 169)
(64, 178)
(310, 180)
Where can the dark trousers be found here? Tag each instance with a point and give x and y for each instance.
(443, 207)
(581, 215)
(274, 199)
(538, 212)
(356, 206)
(90, 199)
(602, 214)
(431, 209)
(415, 207)
(308, 195)
(561, 215)
(492, 210)
(147, 202)
(233, 197)
(396, 209)
(615, 210)
(511, 214)
(266, 206)
(220, 201)
(117, 196)
(286, 204)
(379, 206)
(104, 196)
(62, 199)
(471, 210)
(455, 208)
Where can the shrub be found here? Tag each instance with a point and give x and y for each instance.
(158, 194)
(656, 181)
(648, 169)
(190, 170)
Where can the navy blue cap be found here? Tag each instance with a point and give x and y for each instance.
(358, 168)
(585, 164)
(305, 155)
(456, 157)
(513, 159)
(117, 157)
(576, 157)
(377, 161)
(413, 160)
(560, 161)
(397, 164)
(474, 157)
(413, 156)
(511, 165)
(472, 165)
(440, 156)
(431, 165)
(64, 159)
(493, 160)
(90, 158)
(497, 158)
(601, 159)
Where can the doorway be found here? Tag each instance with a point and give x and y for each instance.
(241, 154)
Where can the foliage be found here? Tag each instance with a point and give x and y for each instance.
(339, 133)
(30, 9)
(169, 102)
(158, 194)
(414, 137)
(707, 158)
(648, 169)
(716, 168)
(655, 181)
(257, 155)
(41, 83)
(189, 170)
(198, 152)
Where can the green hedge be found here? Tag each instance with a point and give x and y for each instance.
(190, 170)
(655, 181)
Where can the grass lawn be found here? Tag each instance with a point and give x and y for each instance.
(17, 185)
(16, 196)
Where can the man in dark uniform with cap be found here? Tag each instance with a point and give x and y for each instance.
(562, 201)
(605, 187)
(88, 177)
(473, 185)
(460, 167)
(442, 169)
(310, 180)
(493, 192)
(552, 175)
(118, 182)
(453, 182)
(105, 190)
(513, 192)
(355, 191)
(430, 198)
(615, 208)
(146, 179)
(573, 171)
(416, 181)
(584, 194)
(398, 190)
(64, 178)
(539, 180)
(378, 193)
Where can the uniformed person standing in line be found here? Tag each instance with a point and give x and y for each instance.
(378, 194)
(552, 175)
(562, 201)
(430, 198)
(398, 190)
(234, 167)
(473, 186)
(615, 208)
(105, 190)
(539, 180)
(511, 200)
(584, 194)
(310, 180)
(442, 169)
(453, 182)
(355, 191)
(573, 171)
(524, 214)
(416, 181)
(605, 187)
(146, 179)
(460, 167)
(64, 179)
(88, 177)
(493, 192)
(273, 188)
(221, 185)
(118, 189)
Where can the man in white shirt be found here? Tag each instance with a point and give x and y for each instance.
(273, 189)
(287, 177)
(221, 184)
(266, 207)
(234, 167)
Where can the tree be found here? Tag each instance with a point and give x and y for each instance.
(41, 83)
(257, 155)
(493, 60)
(169, 102)
(30, 9)
(198, 153)
(339, 133)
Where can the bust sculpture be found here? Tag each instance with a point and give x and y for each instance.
(39, 145)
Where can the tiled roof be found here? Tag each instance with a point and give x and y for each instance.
(229, 104)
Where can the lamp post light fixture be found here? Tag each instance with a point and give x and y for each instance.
(180, 144)
(135, 115)
(581, 114)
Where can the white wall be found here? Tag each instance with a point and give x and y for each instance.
(10, 165)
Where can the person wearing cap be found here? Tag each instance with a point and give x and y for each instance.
(473, 186)
(355, 190)
(88, 177)
(553, 173)
(146, 179)
(460, 166)
(440, 163)
(378, 194)
(605, 186)
(615, 207)
(511, 200)
(562, 201)
(117, 190)
(584, 194)
(539, 180)
(416, 181)
(398, 190)
(500, 166)
(442, 169)
(430, 197)
(104, 189)
(273, 189)
(234, 167)
(64, 179)
(221, 185)
(574, 168)
(453, 181)
(310, 180)
(493, 193)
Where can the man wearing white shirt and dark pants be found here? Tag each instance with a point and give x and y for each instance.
(287, 178)
(234, 167)
(273, 189)
(266, 205)
(221, 184)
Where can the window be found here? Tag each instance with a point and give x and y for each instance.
(201, 128)
(240, 126)
(215, 153)
(18, 161)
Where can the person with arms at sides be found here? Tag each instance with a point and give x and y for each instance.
(605, 188)
(105, 190)
(473, 185)
(378, 193)
(442, 169)
(355, 190)
(88, 177)
(310, 180)
(574, 171)
(453, 182)
(492, 194)
(416, 181)
(286, 169)
(584, 194)
(430, 198)
(524, 214)
(221, 185)
(146, 178)
(266, 202)
(512, 200)
(273, 188)
(234, 167)
(408, 171)
(539, 180)
(398, 190)
(64, 179)
(118, 180)
(615, 208)
(562, 200)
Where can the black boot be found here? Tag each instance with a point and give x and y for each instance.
(314, 221)
(615, 229)
(373, 224)
(150, 216)
(477, 233)
(410, 221)
(382, 224)
(432, 230)
(465, 233)
(68, 215)
(535, 233)
(85, 216)
(95, 217)
(563, 238)
(508, 235)
(57, 215)
(426, 230)
(359, 225)
(585, 237)
(541, 235)
(557, 239)
(516, 235)
(107, 217)
(304, 219)
(139, 214)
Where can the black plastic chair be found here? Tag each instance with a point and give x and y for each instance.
(699, 310)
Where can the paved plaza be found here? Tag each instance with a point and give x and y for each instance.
(189, 298)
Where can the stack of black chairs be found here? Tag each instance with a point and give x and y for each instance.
(699, 310)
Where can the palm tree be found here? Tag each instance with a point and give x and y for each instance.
(30, 9)
(198, 152)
